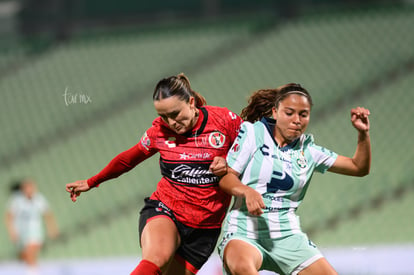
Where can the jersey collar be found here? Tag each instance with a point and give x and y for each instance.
(200, 124)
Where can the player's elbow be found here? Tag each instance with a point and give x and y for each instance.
(362, 172)
(361, 168)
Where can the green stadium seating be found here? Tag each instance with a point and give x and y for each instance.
(113, 73)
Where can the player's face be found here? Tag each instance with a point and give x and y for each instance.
(28, 188)
(292, 117)
(178, 114)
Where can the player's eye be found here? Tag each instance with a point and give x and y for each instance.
(174, 115)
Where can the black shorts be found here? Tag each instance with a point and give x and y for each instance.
(196, 244)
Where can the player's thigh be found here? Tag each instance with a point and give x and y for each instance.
(320, 267)
(238, 252)
(159, 240)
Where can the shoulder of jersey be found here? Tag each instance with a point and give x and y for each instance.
(220, 113)
(247, 126)
(158, 122)
(255, 125)
(216, 109)
(307, 139)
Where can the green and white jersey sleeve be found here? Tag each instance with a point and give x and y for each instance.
(281, 175)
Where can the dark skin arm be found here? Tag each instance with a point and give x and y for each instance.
(359, 165)
(232, 185)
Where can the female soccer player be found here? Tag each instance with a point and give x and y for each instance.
(180, 223)
(27, 209)
(270, 167)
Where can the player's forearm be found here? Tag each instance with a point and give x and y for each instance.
(119, 165)
(232, 185)
(114, 169)
(362, 156)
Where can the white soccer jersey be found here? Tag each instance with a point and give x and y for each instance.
(281, 175)
(28, 216)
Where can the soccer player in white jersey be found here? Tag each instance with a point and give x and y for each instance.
(27, 210)
(270, 166)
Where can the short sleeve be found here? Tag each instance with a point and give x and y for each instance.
(242, 149)
(233, 125)
(322, 157)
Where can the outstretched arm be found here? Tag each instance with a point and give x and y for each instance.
(122, 163)
(360, 164)
(231, 184)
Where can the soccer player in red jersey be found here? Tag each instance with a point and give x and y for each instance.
(180, 223)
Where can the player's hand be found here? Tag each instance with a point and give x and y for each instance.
(76, 188)
(219, 166)
(254, 202)
(359, 119)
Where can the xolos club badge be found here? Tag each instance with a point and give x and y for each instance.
(216, 139)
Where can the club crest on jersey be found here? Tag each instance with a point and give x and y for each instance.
(301, 161)
(145, 141)
(216, 139)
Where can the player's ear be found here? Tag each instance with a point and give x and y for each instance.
(191, 101)
(274, 113)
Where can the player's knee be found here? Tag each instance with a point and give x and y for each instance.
(161, 260)
(240, 266)
(241, 258)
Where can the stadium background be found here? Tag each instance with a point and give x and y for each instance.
(76, 79)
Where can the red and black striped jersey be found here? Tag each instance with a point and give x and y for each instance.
(187, 186)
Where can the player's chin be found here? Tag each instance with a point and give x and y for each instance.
(294, 134)
(180, 130)
(291, 138)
